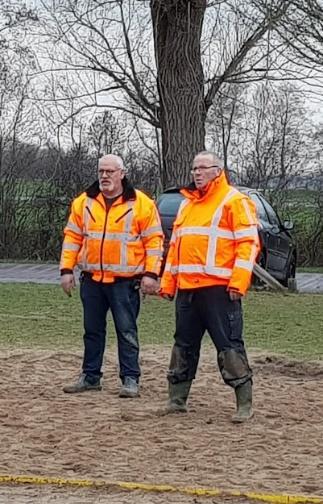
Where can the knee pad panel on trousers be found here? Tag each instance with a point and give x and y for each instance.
(234, 367)
(183, 365)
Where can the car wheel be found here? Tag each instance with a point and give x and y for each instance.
(256, 282)
(290, 271)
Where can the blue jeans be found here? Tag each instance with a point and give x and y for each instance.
(122, 297)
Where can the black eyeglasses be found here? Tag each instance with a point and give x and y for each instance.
(196, 168)
(108, 172)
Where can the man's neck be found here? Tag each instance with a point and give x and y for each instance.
(110, 195)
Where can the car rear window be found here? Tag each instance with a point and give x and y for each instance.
(169, 203)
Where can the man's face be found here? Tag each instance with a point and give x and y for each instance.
(110, 177)
(204, 169)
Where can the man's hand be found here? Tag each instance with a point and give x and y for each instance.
(149, 285)
(68, 283)
(234, 295)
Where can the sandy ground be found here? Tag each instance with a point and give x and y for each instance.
(96, 435)
(28, 495)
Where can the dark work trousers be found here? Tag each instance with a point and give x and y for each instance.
(209, 309)
(122, 297)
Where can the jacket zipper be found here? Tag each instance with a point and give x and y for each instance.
(102, 241)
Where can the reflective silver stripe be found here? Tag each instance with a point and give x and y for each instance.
(248, 212)
(74, 228)
(242, 263)
(222, 233)
(154, 252)
(175, 234)
(173, 237)
(155, 256)
(183, 205)
(122, 237)
(249, 264)
(253, 253)
(157, 216)
(222, 272)
(94, 235)
(86, 218)
(201, 268)
(197, 230)
(125, 269)
(115, 268)
(71, 246)
(249, 231)
(212, 246)
(169, 267)
(207, 231)
(127, 228)
(151, 230)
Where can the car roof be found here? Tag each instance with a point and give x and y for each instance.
(245, 189)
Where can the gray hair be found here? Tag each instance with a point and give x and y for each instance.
(215, 158)
(113, 157)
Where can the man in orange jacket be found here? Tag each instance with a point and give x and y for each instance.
(114, 235)
(212, 252)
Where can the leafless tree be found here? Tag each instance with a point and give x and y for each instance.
(300, 30)
(109, 48)
(264, 133)
(106, 133)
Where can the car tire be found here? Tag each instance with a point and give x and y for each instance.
(256, 282)
(290, 271)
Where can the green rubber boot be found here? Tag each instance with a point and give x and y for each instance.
(178, 394)
(244, 403)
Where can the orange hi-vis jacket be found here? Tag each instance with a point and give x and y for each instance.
(123, 240)
(214, 241)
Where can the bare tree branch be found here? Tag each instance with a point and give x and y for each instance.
(268, 22)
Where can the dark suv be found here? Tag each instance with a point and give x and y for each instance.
(278, 252)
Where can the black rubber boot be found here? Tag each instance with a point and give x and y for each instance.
(178, 394)
(244, 403)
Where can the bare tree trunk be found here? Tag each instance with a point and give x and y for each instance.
(177, 28)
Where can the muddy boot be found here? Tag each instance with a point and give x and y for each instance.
(244, 403)
(83, 384)
(178, 394)
(130, 388)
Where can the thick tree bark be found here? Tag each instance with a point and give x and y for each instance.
(177, 31)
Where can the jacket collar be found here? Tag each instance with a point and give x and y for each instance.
(129, 192)
(214, 185)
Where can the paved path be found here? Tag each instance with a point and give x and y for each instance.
(309, 282)
(48, 273)
(37, 273)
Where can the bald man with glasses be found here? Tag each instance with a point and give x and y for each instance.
(209, 266)
(114, 236)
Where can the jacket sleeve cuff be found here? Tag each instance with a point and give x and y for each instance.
(150, 274)
(167, 292)
(236, 289)
(66, 271)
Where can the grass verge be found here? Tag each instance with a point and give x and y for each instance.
(310, 269)
(41, 316)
